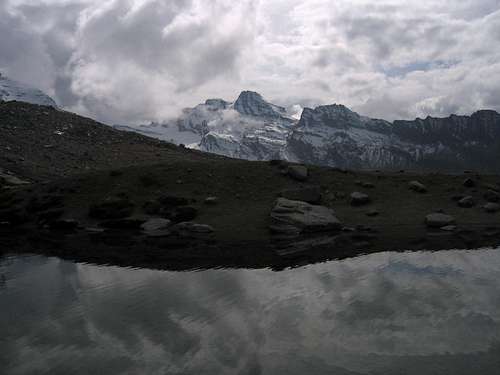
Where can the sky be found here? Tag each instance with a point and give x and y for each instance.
(135, 61)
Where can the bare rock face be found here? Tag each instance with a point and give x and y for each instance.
(439, 220)
(295, 217)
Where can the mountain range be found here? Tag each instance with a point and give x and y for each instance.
(333, 135)
(330, 135)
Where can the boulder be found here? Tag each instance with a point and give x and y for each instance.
(469, 182)
(310, 194)
(466, 202)
(491, 207)
(8, 179)
(211, 200)
(359, 199)
(156, 227)
(155, 223)
(111, 208)
(298, 172)
(417, 186)
(294, 217)
(492, 196)
(439, 220)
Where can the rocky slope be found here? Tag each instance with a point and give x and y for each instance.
(12, 90)
(333, 135)
(40, 142)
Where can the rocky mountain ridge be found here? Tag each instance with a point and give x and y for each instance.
(333, 135)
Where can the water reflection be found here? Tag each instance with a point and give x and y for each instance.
(387, 313)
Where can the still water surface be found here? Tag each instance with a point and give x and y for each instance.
(386, 313)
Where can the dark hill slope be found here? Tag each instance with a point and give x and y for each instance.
(38, 143)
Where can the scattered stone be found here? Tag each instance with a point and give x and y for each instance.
(156, 227)
(373, 213)
(466, 202)
(368, 185)
(211, 200)
(294, 217)
(469, 182)
(298, 172)
(155, 223)
(359, 199)
(309, 194)
(449, 228)
(491, 207)
(322, 243)
(492, 196)
(417, 186)
(111, 208)
(439, 220)
(348, 229)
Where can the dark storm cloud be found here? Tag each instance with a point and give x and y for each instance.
(136, 60)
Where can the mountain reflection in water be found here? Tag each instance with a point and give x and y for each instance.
(386, 313)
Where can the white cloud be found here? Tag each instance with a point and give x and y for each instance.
(130, 60)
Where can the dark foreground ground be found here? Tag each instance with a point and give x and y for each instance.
(55, 213)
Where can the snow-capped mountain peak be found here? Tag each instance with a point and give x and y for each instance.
(253, 104)
(12, 90)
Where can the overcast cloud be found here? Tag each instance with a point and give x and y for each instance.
(131, 61)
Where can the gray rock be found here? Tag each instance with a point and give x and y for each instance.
(8, 179)
(492, 196)
(359, 199)
(155, 224)
(211, 200)
(298, 172)
(310, 194)
(449, 228)
(491, 207)
(417, 186)
(469, 182)
(368, 185)
(466, 202)
(373, 213)
(294, 217)
(439, 220)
